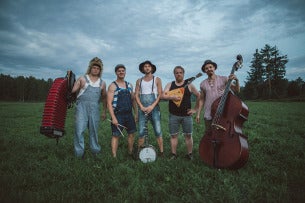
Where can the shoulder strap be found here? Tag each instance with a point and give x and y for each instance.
(152, 87)
(117, 86)
(87, 80)
(141, 85)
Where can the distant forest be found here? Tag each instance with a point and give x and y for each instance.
(266, 80)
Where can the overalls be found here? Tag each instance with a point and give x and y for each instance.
(154, 116)
(123, 110)
(124, 103)
(87, 115)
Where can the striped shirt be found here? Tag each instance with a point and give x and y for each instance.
(116, 92)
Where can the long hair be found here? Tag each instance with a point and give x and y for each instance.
(95, 62)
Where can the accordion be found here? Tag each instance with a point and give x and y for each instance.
(59, 99)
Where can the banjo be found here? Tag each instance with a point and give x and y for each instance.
(147, 152)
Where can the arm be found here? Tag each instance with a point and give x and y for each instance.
(235, 87)
(80, 83)
(137, 95)
(194, 91)
(200, 105)
(166, 96)
(104, 100)
(110, 97)
(159, 89)
(134, 104)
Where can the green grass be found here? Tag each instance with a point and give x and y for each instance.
(36, 169)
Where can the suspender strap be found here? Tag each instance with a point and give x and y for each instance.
(117, 86)
(152, 87)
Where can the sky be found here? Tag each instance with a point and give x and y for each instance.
(44, 39)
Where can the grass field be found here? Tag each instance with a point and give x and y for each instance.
(36, 169)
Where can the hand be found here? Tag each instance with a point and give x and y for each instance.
(190, 112)
(115, 122)
(103, 116)
(149, 109)
(233, 77)
(176, 98)
(136, 119)
(197, 119)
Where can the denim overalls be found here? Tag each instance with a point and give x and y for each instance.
(154, 116)
(87, 115)
(123, 110)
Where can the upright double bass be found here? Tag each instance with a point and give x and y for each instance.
(225, 146)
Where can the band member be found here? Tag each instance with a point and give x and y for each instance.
(90, 89)
(120, 100)
(180, 115)
(147, 93)
(211, 89)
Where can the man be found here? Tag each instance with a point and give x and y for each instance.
(147, 94)
(120, 100)
(90, 90)
(180, 114)
(211, 89)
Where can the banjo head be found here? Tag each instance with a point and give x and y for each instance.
(147, 154)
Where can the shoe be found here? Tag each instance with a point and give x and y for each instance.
(161, 154)
(96, 157)
(189, 156)
(173, 156)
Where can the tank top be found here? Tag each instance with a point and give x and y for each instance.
(185, 103)
(148, 87)
(97, 83)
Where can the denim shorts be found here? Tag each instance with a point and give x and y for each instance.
(175, 121)
(126, 120)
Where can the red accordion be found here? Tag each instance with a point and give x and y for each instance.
(59, 99)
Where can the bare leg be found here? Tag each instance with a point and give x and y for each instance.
(114, 145)
(189, 143)
(141, 142)
(174, 143)
(130, 143)
(160, 143)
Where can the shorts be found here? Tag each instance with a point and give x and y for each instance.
(175, 121)
(126, 120)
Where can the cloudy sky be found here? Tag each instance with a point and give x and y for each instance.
(44, 38)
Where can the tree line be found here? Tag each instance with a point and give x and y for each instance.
(265, 80)
(25, 89)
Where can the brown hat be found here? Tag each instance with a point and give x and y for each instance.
(96, 62)
(141, 66)
(208, 62)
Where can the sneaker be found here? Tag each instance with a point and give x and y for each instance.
(173, 156)
(189, 156)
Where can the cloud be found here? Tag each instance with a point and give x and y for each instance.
(38, 36)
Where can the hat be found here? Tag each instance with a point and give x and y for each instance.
(141, 66)
(208, 62)
(96, 62)
(119, 66)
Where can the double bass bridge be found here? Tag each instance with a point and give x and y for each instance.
(218, 127)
